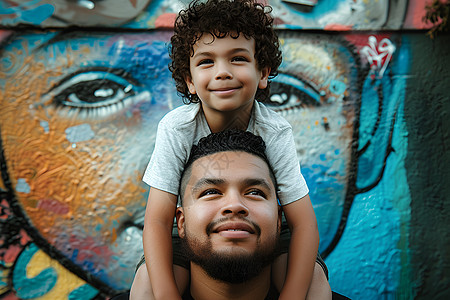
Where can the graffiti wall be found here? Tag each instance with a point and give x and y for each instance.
(83, 89)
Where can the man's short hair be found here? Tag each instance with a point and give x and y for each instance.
(228, 140)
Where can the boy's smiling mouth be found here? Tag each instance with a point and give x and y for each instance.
(224, 90)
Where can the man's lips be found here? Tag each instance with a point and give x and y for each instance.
(234, 230)
(234, 226)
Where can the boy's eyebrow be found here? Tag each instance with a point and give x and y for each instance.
(208, 54)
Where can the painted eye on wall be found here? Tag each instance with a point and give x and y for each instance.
(105, 90)
(288, 92)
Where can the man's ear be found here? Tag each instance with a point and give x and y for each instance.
(180, 221)
(265, 72)
(280, 217)
(190, 85)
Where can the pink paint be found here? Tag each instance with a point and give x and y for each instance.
(414, 16)
(338, 27)
(9, 296)
(11, 253)
(53, 206)
(165, 20)
(89, 248)
(4, 34)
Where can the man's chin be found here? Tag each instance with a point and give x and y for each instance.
(232, 264)
(231, 267)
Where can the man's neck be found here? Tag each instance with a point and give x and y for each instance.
(204, 287)
(222, 120)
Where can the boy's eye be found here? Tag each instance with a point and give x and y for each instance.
(205, 62)
(240, 58)
(210, 192)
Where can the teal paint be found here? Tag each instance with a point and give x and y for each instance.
(29, 288)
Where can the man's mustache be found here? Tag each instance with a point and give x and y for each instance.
(214, 224)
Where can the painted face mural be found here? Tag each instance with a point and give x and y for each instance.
(78, 121)
(77, 139)
(317, 92)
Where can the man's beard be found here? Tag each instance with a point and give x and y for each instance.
(226, 266)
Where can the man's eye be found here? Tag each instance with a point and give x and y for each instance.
(288, 92)
(106, 91)
(256, 192)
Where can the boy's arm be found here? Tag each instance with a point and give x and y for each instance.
(302, 250)
(157, 237)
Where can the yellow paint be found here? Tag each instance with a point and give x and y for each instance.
(66, 282)
(4, 277)
(2, 185)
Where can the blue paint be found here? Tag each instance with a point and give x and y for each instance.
(30, 288)
(79, 133)
(83, 292)
(370, 262)
(297, 84)
(371, 162)
(44, 125)
(37, 15)
(74, 255)
(327, 206)
(337, 87)
(22, 186)
(323, 7)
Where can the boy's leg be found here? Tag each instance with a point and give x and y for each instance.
(319, 287)
(141, 288)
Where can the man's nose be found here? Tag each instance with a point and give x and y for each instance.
(234, 205)
(223, 71)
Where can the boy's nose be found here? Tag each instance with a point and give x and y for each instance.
(233, 205)
(223, 72)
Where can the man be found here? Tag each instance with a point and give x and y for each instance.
(229, 221)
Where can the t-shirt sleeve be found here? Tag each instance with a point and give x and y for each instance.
(282, 155)
(166, 164)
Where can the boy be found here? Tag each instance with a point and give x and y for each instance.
(223, 54)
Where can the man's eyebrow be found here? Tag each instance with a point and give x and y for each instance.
(258, 182)
(202, 182)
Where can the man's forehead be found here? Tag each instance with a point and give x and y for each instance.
(228, 163)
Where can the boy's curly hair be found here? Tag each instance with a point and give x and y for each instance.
(221, 18)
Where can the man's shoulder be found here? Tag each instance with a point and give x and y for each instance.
(271, 295)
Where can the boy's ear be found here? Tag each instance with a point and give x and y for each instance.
(190, 85)
(265, 72)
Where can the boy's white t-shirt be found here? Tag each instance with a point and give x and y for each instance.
(186, 125)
